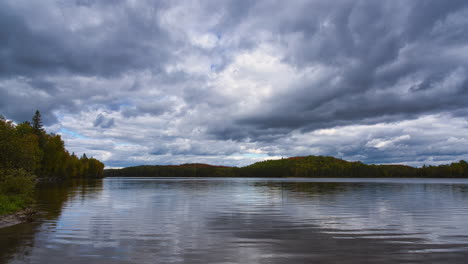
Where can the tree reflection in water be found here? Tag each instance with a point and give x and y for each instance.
(18, 240)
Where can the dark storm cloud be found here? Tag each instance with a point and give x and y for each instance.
(44, 44)
(41, 44)
(376, 50)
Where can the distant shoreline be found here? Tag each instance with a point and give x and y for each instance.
(296, 167)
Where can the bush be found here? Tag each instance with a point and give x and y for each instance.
(16, 190)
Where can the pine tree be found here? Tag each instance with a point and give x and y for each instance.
(37, 121)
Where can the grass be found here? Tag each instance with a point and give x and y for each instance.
(16, 190)
(11, 204)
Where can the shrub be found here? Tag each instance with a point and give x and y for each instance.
(16, 190)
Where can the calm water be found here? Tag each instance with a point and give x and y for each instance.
(222, 220)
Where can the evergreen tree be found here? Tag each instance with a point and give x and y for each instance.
(37, 121)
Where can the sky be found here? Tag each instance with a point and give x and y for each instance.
(234, 82)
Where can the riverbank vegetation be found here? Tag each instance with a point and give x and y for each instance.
(29, 153)
(16, 190)
(310, 166)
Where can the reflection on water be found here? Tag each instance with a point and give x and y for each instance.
(222, 220)
(19, 240)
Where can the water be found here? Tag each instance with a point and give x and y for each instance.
(224, 220)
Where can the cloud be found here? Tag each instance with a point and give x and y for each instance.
(103, 122)
(229, 83)
(92, 39)
(369, 66)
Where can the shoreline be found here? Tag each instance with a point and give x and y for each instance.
(21, 216)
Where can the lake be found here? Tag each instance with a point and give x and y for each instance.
(245, 220)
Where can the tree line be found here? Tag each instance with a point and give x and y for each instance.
(309, 166)
(27, 146)
(27, 152)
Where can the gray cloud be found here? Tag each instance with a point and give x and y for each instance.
(103, 122)
(233, 82)
(389, 61)
(61, 38)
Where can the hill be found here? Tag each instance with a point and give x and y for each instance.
(183, 170)
(307, 166)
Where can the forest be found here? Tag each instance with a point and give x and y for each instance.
(28, 154)
(309, 166)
